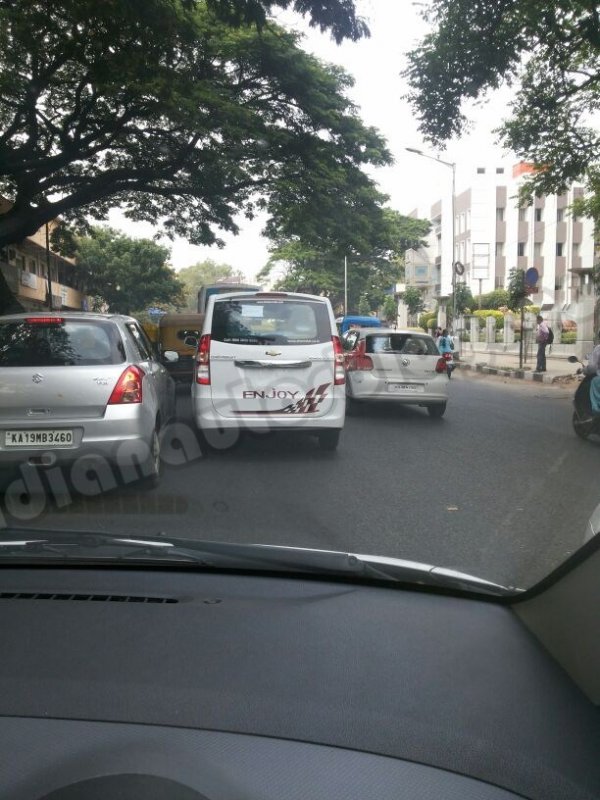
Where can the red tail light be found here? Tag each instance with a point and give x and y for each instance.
(44, 320)
(128, 388)
(203, 361)
(359, 360)
(441, 365)
(339, 375)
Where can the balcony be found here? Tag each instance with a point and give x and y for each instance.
(577, 232)
(539, 232)
(500, 231)
(522, 262)
(523, 231)
(561, 231)
(561, 265)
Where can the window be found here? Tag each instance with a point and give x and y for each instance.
(538, 214)
(23, 344)
(499, 170)
(500, 214)
(499, 249)
(481, 170)
(521, 249)
(576, 250)
(559, 282)
(142, 344)
(401, 343)
(560, 246)
(270, 322)
(499, 282)
(523, 215)
(560, 214)
(537, 250)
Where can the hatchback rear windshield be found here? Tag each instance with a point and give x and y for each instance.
(404, 343)
(292, 322)
(51, 344)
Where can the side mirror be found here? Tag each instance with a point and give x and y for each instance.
(572, 359)
(191, 341)
(171, 356)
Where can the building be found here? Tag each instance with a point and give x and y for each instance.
(24, 269)
(492, 234)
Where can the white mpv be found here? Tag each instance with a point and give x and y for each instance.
(269, 360)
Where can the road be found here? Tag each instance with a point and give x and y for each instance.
(500, 487)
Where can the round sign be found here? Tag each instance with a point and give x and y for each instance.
(459, 268)
(531, 276)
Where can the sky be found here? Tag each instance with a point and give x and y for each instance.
(413, 182)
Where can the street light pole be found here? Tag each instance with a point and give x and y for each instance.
(452, 165)
(345, 286)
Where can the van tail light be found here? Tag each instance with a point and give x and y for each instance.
(128, 388)
(441, 365)
(358, 360)
(203, 361)
(339, 374)
(45, 320)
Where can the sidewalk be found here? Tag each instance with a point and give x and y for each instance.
(507, 365)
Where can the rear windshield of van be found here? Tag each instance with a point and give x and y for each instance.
(59, 344)
(403, 343)
(292, 322)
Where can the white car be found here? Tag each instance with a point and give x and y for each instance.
(269, 360)
(398, 366)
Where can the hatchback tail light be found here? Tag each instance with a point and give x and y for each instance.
(128, 388)
(441, 365)
(203, 361)
(359, 360)
(339, 375)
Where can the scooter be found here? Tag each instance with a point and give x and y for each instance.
(585, 422)
(449, 359)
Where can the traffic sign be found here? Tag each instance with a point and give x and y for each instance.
(155, 313)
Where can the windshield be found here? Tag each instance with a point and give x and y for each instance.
(425, 243)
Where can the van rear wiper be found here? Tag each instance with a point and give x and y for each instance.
(91, 547)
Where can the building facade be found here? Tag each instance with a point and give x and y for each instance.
(24, 267)
(492, 235)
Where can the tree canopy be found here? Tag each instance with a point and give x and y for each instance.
(373, 244)
(204, 273)
(127, 274)
(183, 113)
(548, 49)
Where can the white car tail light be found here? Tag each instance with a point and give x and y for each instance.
(203, 361)
(339, 376)
(128, 388)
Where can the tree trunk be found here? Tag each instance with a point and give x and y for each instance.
(8, 302)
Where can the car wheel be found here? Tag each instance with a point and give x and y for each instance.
(153, 466)
(329, 440)
(437, 411)
(352, 406)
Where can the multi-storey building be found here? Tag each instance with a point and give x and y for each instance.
(24, 267)
(492, 235)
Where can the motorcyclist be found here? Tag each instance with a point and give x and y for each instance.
(446, 346)
(593, 368)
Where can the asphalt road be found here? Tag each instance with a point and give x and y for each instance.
(500, 487)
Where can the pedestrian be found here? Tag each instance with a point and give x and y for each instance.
(541, 337)
(437, 335)
(446, 346)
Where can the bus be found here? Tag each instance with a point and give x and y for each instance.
(221, 288)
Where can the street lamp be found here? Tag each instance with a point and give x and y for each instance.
(452, 165)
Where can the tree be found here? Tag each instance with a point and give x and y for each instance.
(202, 274)
(464, 299)
(517, 293)
(127, 274)
(364, 307)
(390, 309)
(549, 49)
(183, 113)
(494, 300)
(373, 239)
(413, 300)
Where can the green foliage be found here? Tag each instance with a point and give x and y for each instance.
(127, 274)
(373, 239)
(517, 296)
(464, 300)
(548, 49)
(390, 309)
(204, 273)
(364, 306)
(496, 299)
(183, 113)
(484, 314)
(428, 320)
(568, 337)
(413, 299)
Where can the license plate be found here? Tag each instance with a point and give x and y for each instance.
(412, 388)
(45, 438)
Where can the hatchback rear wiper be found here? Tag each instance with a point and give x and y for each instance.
(86, 547)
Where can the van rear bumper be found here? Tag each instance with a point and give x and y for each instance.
(207, 418)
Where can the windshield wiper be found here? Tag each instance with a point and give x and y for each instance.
(88, 546)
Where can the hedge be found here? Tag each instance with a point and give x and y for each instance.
(484, 313)
(568, 337)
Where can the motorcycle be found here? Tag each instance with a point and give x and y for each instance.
(585, 422)
(449, 359)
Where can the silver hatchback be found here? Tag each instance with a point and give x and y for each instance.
(81, 386)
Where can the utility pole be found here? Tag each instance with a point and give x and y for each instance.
(345, 286)
(48, 276)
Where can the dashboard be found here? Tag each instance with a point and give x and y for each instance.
(191, 685)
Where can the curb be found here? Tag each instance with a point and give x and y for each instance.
(518, 374)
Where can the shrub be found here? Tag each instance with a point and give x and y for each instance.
(568, 337)
(498, 316)
(428, 320)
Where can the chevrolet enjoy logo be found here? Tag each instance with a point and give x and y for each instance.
(269, 394)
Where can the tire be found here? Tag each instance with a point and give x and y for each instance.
(582, 428)
(153, 468)
(437, 411)
(352, 406)
(329, 440)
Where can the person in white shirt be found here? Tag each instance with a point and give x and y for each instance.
(541, 338)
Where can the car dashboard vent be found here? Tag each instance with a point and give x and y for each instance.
(94, 598)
